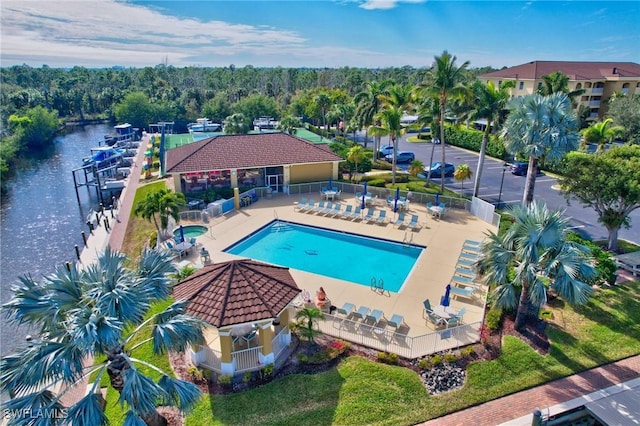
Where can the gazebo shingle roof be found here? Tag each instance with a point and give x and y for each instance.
(237, 292)
(245, 151)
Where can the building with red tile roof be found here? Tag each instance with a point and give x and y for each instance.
(252, 160)
(599, 80)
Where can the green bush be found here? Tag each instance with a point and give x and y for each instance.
(418, 187)
(225, 380)
(494, 318)
(467, 351)
(450, 358)
(471, 139)
(246, 378)
(380, 183)
(388, 358)
(382, 165)
(424, 364)
(605, 265)
(436, 360)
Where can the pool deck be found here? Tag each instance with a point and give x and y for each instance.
(443, 239)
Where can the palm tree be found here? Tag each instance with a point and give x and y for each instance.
(490, 101)
(429, 113)
(601, 133)
(540, 126)
(355, 155)
(445, 81)
(416, 167)
(462, 173)
(323, 101)
(289, 124)
(95, 313)
(558, 82)
(389, 119)
(160, 204)
(368, 105)
(308, 318)
(236, 124)
(533, 253)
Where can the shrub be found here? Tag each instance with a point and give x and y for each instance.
(225, 380)
(417, 187)
(436, 360)
(605, 265)
(450, 358)
(195, 373)
(467, 351)
(267, 372)
(382, 165)
(485, 332)
(246, 378)
(494, 318)
(153, 239)
(337, 348)
(424, 364)
(388, 358)
(380, 183)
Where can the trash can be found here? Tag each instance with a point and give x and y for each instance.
(269, 192)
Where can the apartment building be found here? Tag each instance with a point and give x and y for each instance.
(600, 80)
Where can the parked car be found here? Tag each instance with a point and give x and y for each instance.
(385, 150)
(437, 169)
(520, 168)
(402, 157)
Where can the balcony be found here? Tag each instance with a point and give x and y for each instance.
(625, 90)
(593, 116)
(597, 91)
(594, 104)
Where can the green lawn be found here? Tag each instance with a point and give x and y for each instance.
(359, 391)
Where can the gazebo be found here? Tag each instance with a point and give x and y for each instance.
(242, 301)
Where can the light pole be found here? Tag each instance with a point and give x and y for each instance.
(504, 169)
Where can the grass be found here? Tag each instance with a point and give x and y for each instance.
(624, 246)
(359, 391)
(139, 230)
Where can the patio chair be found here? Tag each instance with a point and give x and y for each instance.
(346, 310)
(374, 317)
(435, 320)
(470, 248)
(466, 262)
(382, 216)
(470, 256)
(400, 220)
(319, 207)
(389, 201)
(327, 209)
(462, 280)
(309, 206)
(361, 313)
(427, 307)
(369, 216)
(472, 243)
(175, 251)
(301, 204)
(357, 213)
(193, 242)
(396, 321)
(413, 223)
(346, 213)
(456, 319)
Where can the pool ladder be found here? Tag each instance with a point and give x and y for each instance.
(407, 240)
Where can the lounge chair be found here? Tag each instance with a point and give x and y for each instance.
(335, 211)
(175, 251)
(465, 272)
(396, 321)
(327, 208)
(400, 220)
(346, 310)
(472, 243)
(468, 255)
(369, 216)
(357, 213)
(468, 292)
(302, 203)
(462, 280)
(346, 213)
(361, 313)
(309, 206)
(413, 223)
(466, 262)
(382, 216)
(319, 207)
(374, 316)
(470, 248)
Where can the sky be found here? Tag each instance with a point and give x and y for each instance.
(320, 33)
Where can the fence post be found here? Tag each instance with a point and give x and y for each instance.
(77, 251)
(84, 238)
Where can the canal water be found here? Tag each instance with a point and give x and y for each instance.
(41, 218)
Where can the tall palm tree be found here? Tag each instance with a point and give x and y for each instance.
(368, 104)
(428, 109)
(355, 155)
(558, 82)
(445, 81)
(540, 126)
(308, 318)
(323, 101)
(161, 204)
(289, 124)
(601, 133)
(490, 101)
(389, 118)
(95, 313)
(236, 124)
(532, 253)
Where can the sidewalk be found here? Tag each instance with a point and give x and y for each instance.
(516, 409)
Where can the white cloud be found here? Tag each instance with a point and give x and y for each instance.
(385, 4)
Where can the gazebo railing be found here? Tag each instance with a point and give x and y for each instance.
(279, 343)
(212, 359)
(247, 359)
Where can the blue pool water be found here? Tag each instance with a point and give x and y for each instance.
(344, 256)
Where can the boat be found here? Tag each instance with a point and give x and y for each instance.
(267, 123)
(103, 154)
(113, 185)
(204, 125)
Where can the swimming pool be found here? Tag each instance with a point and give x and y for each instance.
(190, 231)
(340, 255)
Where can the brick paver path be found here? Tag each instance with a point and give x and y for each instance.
(558, 391)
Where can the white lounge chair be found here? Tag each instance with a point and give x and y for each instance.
(382, 216)
(357, 213)
(400, 220)
(374, 317)
(370, 214)
(301, 204)
(346, 213)
(319, 207)
(413, 223)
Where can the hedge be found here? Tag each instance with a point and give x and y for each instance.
(472, 139)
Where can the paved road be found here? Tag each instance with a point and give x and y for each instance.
(583, 218)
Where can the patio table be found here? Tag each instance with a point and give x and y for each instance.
(436, 210)
(444, 312)
(330, 194)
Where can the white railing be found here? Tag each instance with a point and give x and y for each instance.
(279, 343)
(597, 90)
(213, 359)
(247, 359)
(403, 345)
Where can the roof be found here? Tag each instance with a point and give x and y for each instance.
(246, 151)
(575, 70)
(237, 292)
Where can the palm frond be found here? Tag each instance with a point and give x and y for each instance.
(176, 332)
(87, 411)
(505, 296)
(154, 267)
(132, 419)
(538, 293)
(182, 394)
(35, 409)
(140, 392)
(30, 303)
(93, 331)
